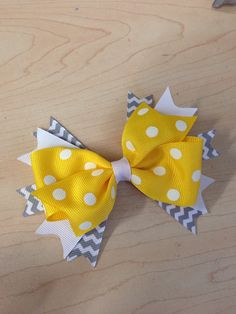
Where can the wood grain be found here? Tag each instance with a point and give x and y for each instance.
(76, 60)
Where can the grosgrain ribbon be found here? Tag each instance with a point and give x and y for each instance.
(79, 185)
(122, 170)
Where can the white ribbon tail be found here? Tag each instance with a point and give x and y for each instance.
(167, 106)
(62, 229)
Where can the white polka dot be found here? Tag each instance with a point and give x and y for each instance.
(173, 195)
(59, 194)
(85, 225)
(90, 199)
(65, 154)
(136, 179)
(175, 153)
(142, 111)
(97, 172)
(159, 171)
(152, 131)
(196, 175)
(181, 125)
(49, 180)
(89, 165)
(130, 146)
(113, 192)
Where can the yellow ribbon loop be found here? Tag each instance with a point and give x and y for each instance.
(159, 159)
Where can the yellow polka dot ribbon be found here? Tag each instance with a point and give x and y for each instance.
(164, 164)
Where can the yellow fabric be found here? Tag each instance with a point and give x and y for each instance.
(79, 185)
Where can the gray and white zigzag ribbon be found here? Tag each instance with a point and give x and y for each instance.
(89, 245)
(208, 151)
(133, 102)
(59, 130)
(33, 205)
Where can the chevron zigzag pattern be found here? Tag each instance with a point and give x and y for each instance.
(58, 129)
(133, 102)
(208, 151)
(89, 245)
(33, 205)
(186, 216)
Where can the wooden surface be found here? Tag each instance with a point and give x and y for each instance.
(75, 60)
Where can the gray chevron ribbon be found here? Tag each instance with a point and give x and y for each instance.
(59, 130)
(33, 205)
(56, 128)
(89, 245)
(186, 216)
(208, 150)
(133, 102)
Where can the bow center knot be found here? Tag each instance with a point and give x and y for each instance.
(122, 170)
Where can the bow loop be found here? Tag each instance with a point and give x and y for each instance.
(147, 129)
(74, 184)
(174, 171)
(57, 163)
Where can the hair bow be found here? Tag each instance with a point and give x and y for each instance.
(79, 186)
